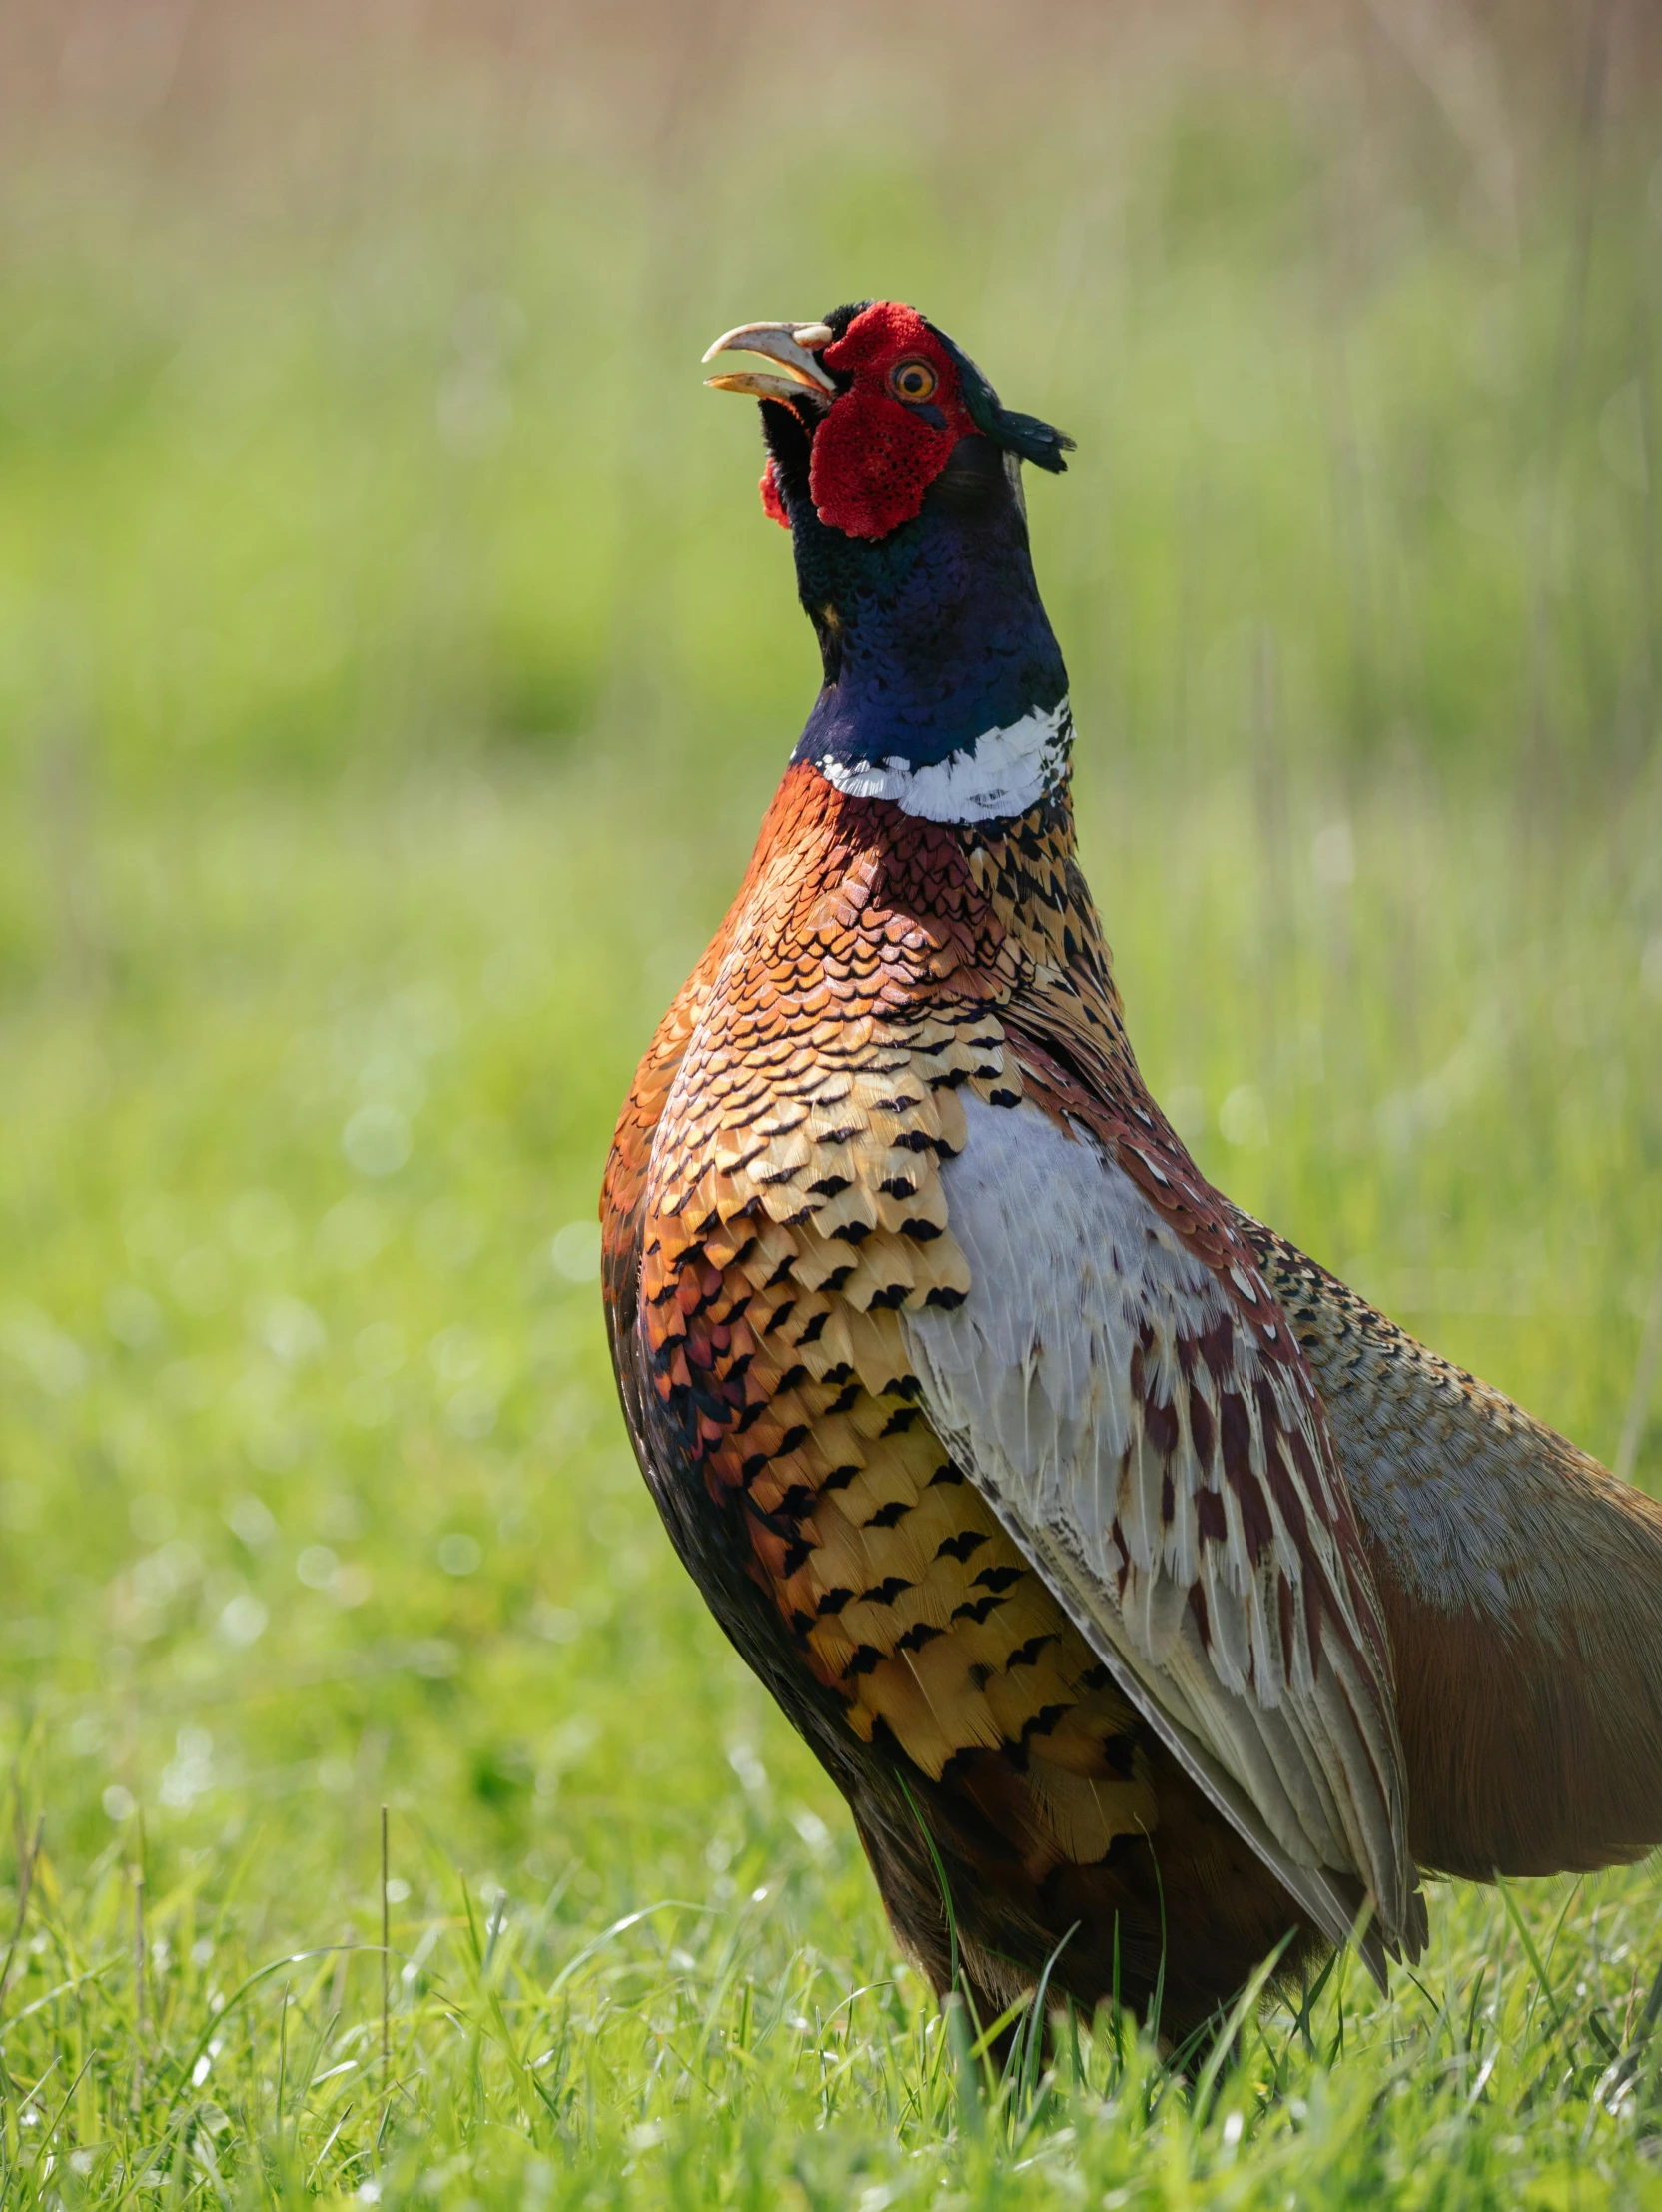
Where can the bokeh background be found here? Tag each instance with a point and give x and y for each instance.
(394, 664)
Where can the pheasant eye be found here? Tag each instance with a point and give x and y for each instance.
(913, 380)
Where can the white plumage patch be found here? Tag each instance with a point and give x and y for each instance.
(1070, 1386)
(1001, 776)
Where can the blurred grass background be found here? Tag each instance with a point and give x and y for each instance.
(394, 664)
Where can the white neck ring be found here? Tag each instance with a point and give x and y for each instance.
(1001, 776)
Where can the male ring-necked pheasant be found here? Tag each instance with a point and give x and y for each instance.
(1072, 1516)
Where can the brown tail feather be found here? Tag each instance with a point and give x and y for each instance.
(1522, 1587)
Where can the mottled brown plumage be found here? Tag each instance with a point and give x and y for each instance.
(777, 1205)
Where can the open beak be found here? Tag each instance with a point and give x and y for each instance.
(792, 344)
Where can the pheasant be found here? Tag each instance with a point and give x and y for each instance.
(1153, 1599)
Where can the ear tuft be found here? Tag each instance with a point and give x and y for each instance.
(1039, 442)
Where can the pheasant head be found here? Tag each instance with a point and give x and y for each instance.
(896, 470)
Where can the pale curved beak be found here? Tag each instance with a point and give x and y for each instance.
(792, 344)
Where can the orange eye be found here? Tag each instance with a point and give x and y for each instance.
(913, 380)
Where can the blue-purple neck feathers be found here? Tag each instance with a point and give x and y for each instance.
(934, 639)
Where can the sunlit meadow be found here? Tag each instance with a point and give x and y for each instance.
(395, 662)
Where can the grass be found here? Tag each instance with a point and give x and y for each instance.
(315, 1499)
(395, 669)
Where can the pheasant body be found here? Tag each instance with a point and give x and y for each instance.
(987, 1428)
(805, 1099)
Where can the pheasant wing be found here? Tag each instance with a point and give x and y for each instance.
(1123, 1389)
(1522, 1586)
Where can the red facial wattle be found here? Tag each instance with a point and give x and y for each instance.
(773, 501)
(876, 453)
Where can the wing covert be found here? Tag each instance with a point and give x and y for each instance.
(1142, 1420)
